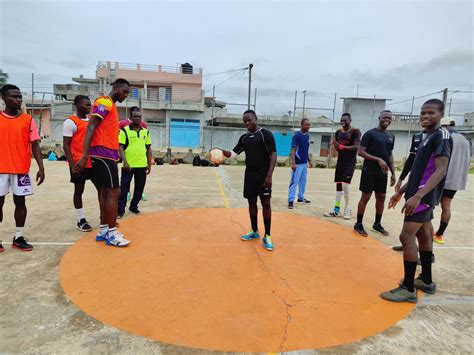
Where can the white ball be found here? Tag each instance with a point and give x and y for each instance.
(216, 156)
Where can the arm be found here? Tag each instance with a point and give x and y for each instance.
(149, 156)
(124, 158)
(94, 122)
(292, 158)
(35, 148)
(363, 154)
(392, 170)
(67, 150)
(268, 180)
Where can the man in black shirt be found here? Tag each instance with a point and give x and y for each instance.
(376, 149)
(260, 160)
(422, 193)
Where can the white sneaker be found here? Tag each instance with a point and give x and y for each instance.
(347, 213)
(332, 214)
(117, 240)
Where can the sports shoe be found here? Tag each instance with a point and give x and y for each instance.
(101, 237)
(400, 294)
(422, 286)
(290, 205)
(398, 248)
(120, 215)
(379, 229)
(267, 242)
(347, 213)
(144, 198)
(250, 236)
(129, 196)
(134, 210)
(304, 200)
(84, 226)
(438, 239)
(117, 240)
(21, 244)
(333, 213)
(2, 249)
(359, 228)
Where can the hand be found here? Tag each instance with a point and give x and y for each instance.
(293, 166)
(383, 165)
(125, 166)
(335, 145)
(311, 164)
(76, 169)
(267, 183)
(411, 205)
(392, 180)
(398, 185)
(148, 169)
(40, 177)
(394, 200)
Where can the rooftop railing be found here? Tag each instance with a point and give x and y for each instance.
(147, 68)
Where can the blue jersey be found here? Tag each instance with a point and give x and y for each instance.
(300, 142)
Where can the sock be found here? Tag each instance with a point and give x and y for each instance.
(254, 221)
(409, 279)
(112, 231)
(425, 257)
(79, 214)
(268, 224)
(19, 232)
(378, 218)
(345, 188)
(359, 218)
(337, 206)
(104, 228)
(442, 228)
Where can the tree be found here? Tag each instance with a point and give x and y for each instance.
(3, 78)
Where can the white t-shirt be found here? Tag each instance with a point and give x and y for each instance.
(70, 128)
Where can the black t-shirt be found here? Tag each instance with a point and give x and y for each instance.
(379, 144)
(436, 144)
(415, 142)
(350, 137)
(257, 147)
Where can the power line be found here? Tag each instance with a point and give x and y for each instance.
(415, 98)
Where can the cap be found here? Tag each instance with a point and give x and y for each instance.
(446, 121)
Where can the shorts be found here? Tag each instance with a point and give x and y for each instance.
(344, 173)
(20, 184)
(421, 217)
(253, 185)
(449, 193)
(104, 172)
(81, 178)
(370, 182)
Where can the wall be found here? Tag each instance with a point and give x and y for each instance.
(364, 112)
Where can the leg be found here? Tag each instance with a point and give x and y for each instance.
(112, 195)
(20, 211)
(295, 178)
(410, 252)
(253, 213)
(140, 180)
(2, 201)
(125, 181)
(379, 206)
(364, 198)
(77, 199)
(445, 215)
(425, 242)
(345, 187)
(267, 213)
(302, 181)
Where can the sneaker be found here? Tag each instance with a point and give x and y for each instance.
(2, 249)
(134, 210)
(101, 237)
(379, 229)
(84, 226)
(267, 242)
(290, 205)
(21, 244)
(347, 213)
(250, 236)
(398, 248)
(438, 239)
(333, 213)
(120, 215)
(422, 286)
(144, 198)
(129, 196)
(304, 200)
(117, 240)
(400, 294)
(359, 228)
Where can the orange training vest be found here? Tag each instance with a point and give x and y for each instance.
(15, 146)
(77, 142)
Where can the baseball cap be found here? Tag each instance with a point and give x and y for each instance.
(446, 121)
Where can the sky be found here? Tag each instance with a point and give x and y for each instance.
(391, 49)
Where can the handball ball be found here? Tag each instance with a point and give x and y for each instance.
(216, 156)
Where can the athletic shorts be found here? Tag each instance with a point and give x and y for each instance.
(104, 172)
(449, 193)
(344, 173)
(20, 184)
(421, 217)
(253, 185)
(373, 182)
(81, 178)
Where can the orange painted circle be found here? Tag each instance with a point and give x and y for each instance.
(188, 279)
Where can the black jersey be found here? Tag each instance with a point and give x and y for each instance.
(258, 146)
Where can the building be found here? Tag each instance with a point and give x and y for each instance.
(364, 111)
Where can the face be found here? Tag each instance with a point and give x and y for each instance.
(136, 117)
(305, 125)
(13, 99)
(121, 92)
(345, 122)
(430, 115)
(84, 106)
(385, 119)
(250, 121)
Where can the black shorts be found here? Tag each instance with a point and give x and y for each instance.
(105, 172)
(81, 178)
(421, 217)
(253, 185)
(344, 173)
(370, 182)
(449, 193)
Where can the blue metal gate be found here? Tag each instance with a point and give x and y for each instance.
(185, 133)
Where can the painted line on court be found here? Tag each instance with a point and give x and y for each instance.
(221, 190)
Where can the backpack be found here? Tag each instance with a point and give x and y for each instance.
(197, 160)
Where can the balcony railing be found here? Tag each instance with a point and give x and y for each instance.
(146, 68)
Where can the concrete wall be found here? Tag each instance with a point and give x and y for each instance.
(364, 112)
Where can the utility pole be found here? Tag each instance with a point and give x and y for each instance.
(445, 96)
(32, 94)
(212, 116)
(294, 108)
(255, 101)
(250, 85)
(450, 103)
(304, 101)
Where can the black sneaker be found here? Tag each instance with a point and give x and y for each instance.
(290, 205)
(84, 226)
(379, 229)
(134, 210)
(398, 248)
(21, 244)
(120, 215)
(2, 249)
(304, 201)
(359, 228)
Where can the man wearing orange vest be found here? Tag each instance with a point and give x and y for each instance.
(74, 131)
(101, 143)
(20, 138)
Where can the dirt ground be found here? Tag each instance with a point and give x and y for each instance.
(36, 316)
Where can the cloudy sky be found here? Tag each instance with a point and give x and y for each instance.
(393, 49)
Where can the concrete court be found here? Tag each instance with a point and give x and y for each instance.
(37, 317)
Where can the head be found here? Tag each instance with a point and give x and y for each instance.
(305, 125)
(385, 118)
(346, 120)
(431, 113)
(12, 97)
(250, 120)
(83, 104)
(135, 115)
(120, 90)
